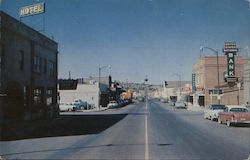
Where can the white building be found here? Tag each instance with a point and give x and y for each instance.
(85, 92)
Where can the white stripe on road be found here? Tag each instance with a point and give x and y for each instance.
(146, 133)
(146, 138)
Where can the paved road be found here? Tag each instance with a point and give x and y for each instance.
(151, 130)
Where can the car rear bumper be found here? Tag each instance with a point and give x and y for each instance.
(241, 121)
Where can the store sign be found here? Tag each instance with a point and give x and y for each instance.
(230, 47)
(32, 9)
(193, 83)
(215, 91)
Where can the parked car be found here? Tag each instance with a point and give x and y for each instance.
(172, 102)
(79, 105)
(163, 100)
(180, 104)
(112, 104)
(63, 107)
(234, 115)
(213, 110)
(122, 102)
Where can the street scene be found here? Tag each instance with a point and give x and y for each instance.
(151, 130)
(134, 79)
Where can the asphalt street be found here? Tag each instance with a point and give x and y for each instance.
(152, 130)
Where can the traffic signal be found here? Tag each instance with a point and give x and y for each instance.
(166, 83)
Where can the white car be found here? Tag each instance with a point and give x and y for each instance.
(112, 104)
(76, 105)
(213, 110)
(180, 104)
(66, 107)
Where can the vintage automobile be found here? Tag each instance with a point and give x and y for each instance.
(112, 104)
(234, 115)
(63, 107)
(213, 110)
(180, 104)
(76, 105)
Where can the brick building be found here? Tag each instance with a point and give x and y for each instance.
(28, 71)
(205, 70)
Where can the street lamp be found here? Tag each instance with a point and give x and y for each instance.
(218, 78)
(179, 85)
(99, 82)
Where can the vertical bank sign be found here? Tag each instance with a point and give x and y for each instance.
(32, 9)
(230, 49)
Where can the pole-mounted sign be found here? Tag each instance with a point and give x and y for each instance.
(230, 49)
(32, 9)
(193, 83)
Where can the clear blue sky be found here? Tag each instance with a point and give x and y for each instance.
(157, 38)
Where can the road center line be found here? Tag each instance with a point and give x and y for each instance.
(146, 138)
(146, 134)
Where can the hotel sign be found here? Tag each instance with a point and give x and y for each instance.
(32, 9)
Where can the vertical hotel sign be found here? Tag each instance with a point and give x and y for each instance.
(32, 10)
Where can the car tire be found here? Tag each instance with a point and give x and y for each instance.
(228, 123)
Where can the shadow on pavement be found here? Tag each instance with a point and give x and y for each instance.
(62, 126)
(82, 147)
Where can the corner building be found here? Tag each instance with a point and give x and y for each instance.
(205, 70)
(28, 71)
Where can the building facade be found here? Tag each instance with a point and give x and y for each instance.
(86, 89)
(246, 81)
(28, 71)
(206, 80)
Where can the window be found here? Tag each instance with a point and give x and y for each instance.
(25, 96)
(37, 64)
(37, 96)
(1, 55)
(238, 110)
(1, 59)
(21, 60)
(51, 68)
(44, 66)
(49, 99)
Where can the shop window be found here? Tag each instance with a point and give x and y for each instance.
(37, 96)
(49, 100)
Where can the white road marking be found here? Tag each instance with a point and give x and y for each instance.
(146, 138)
(146, 133)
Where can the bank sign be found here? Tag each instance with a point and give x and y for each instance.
(32, 9)
(230, 65)
(230, 49)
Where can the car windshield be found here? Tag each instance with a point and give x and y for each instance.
(238, 110)
(218, 107)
